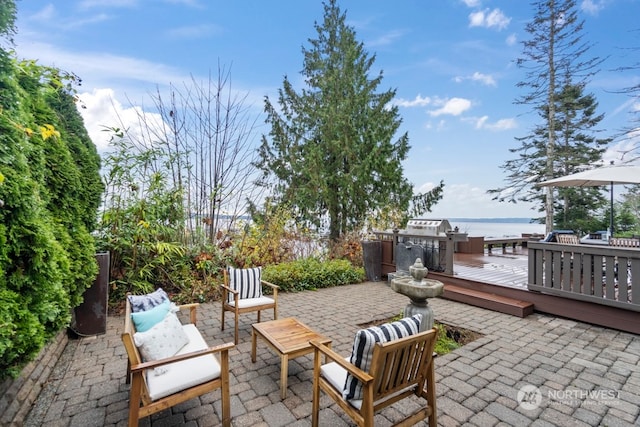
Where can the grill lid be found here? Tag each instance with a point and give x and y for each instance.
(428, 227)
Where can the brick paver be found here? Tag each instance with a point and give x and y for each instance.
(477, 385)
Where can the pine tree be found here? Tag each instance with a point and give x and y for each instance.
(332, 150)
(556, 75)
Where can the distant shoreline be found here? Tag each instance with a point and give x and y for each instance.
(497, 220)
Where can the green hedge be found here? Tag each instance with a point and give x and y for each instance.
(311, 274)
(49, 192)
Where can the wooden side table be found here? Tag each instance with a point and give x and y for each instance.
(289, 338)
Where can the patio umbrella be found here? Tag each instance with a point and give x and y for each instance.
(597, 177)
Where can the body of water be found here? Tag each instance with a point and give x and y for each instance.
(493, 228)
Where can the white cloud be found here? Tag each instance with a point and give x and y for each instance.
(103, 69)
(489, 19)
(193, 31)
(500, 125)
(49, 18)
(46, 14)
(87, 4)
(190, 3)
(593, 7)
(470, 201)
(386, 39)
(511, 39)
(419, 101)
(453, 106)
(101, 112)
(472, 3)
(485, 79)
(628, 148)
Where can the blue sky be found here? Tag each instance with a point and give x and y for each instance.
(452, 63)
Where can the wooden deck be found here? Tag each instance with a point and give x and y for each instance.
(506, 268)
(498, 281)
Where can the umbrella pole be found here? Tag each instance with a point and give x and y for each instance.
(611, 213)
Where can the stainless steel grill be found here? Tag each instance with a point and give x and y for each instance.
(427, 227)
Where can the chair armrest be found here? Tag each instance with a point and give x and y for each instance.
(271, 285)
(358, 373)
(192, 310)
(228, 289)
(274, 288)
(222, 348)
(225, 291)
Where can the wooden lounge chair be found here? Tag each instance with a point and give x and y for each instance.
(242, 293)
(192, 372)
(399, 369)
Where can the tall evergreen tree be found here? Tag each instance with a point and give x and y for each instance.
(556, 74)
(8, 19)
(332, 147)
(629, 138)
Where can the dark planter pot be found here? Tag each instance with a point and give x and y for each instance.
(372, 256)
(90, 317)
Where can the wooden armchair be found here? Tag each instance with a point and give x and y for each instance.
(242, 293)
(399, 368)
(192, 372)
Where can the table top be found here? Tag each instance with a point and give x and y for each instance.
(288, 335)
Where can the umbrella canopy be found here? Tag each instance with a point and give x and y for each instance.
(597, 177)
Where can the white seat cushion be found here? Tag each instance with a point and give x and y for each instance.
(336, 375)
(252, 302)
(187, 373)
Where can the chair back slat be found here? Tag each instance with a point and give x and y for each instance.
(401, 364)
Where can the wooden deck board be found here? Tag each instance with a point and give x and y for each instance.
(505, 269)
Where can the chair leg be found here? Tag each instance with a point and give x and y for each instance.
(226, 399)
(258, 316)
(223, 310)
(134, 399)
(235, 336)
(128, 379)
(431, 399)
(315, 406)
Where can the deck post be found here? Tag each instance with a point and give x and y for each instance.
(449, 251)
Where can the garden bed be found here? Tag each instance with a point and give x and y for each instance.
(449, 337)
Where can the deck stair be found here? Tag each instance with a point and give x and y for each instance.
(487, 300)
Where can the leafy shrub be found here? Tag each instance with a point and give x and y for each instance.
(348, 247)
(311, 273)
(267, 240)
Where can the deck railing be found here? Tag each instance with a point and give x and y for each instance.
(599, 274)
(440, 248)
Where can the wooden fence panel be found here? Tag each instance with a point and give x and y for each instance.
(599, 274)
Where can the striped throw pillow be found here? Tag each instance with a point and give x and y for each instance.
(246, 281)
(366, 340)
